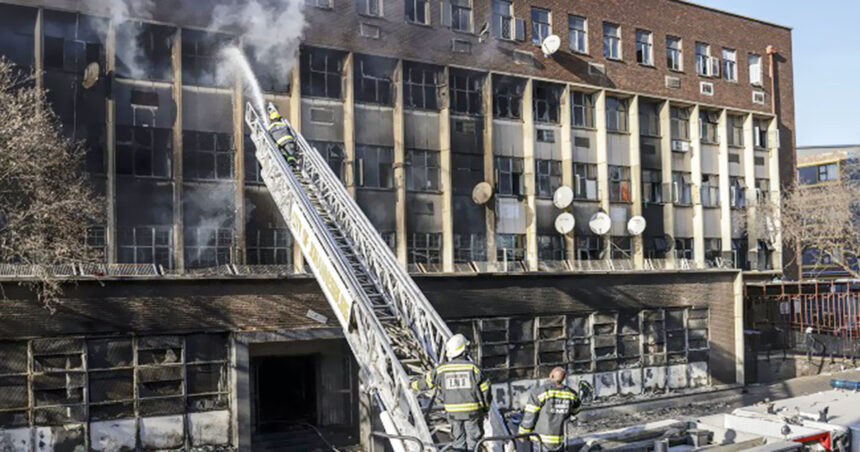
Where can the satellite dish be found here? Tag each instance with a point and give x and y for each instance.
(599, 223)
(564, 223)
(482, 193)
(636, 225)
(485, 31)
(91, 75)
(562, 197)
(550, 45)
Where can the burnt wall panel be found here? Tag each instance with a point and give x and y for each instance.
(710, 159)
(618, 149)
(144, 106)
(547, 142)
(143, 202)
(373, 125)
(469, 218)
(584, 144)
(322, 120)
(378, 205)
(424, 212)
(467, 135)
(651, 154)
(421, 130)
(507, 138)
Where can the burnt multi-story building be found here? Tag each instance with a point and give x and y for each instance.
(453, 132)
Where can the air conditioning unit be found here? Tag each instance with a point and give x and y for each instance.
(680, 146)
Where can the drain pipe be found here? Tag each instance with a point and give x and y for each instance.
(771, 53)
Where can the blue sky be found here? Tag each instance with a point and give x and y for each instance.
(826, 43)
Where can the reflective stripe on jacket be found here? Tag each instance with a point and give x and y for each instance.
(548, 408)
(462, 387)
(280, 132)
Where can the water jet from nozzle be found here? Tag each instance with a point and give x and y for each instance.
(236, 58)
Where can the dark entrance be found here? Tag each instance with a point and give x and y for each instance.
(285, 392)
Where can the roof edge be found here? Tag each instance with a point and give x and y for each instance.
(729, 13)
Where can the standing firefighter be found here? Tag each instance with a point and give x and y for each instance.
(548, 408)
(464, 391)
(283, 135)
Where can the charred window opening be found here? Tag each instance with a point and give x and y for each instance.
(271, 77)
(466, 95)
(509, 176)
(207, 155)
(470, 248)
(619, 183)
(622, 248)
(143, 151)
(508, 97)
(589, 247)
(425, 248)
(551, 248)
(547, 177)
(510, 247)
(17, 25)
(373, 80)
(72, 41)
(333, 154)
(616, 114)
(14, 400)
(207, 246)
(374, 166)
(684, 248)
(252, 166)
(420, 86)
(422, 170)
(58, 381)
(649, 119)
(268, 247)
(143, 50)
(467, 171)
(321, 72)
(110, 378)
(585, 181)
(200, 57)
(656, 247)
(546, 101)
(146, 245)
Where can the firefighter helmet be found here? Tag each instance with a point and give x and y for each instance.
(456, 346)
(273, 112)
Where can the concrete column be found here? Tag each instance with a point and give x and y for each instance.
(178, 222)
(399, 159)
(636, 179)
(567, 162)
(296, 120)
(725, 202)
(349, 124)
(774, 188)
(529, 176)
(738, 317)
(666, 174)
(696, 175)
(239, 170)
(489, 175)
(445, 169)
(241, 395)
(602, 160)
(751, 198)
(38, 45)
(110, 149)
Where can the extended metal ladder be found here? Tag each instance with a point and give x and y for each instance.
(393, 331)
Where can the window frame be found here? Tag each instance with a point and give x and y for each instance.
(756, 76)
(586, 107)
(547, 173)
(512, 92)
(308, 67)
(582, 174)
(645, 48)
(472, 93)
(505, 19)
(367, 8)
(550, 100)
(679, 123)
(730, 65)
(619, 184)
(427, 162)
(384, 166)
(620, 114)
(612, 42)
(675, 57)
(456, 14)
(514, 168)
(710, 190)
(709, 131)
(415, 8)
(652, 186)
(425, 248)
(736, 130)
(427, 89)
(577, 35)
(682, 188)
(538, 27)
(589, 247)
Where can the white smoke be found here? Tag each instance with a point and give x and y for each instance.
(128, 50)
(238, 66)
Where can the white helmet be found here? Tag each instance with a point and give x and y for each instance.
(456, 346)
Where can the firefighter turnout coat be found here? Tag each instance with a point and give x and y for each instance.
(464, 390)
(283, 137)
(548, 408)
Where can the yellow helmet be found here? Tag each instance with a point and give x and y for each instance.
(274, 115)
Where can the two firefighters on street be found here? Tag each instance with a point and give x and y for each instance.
(465, 394)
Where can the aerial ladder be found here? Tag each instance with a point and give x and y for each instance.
(393, 331)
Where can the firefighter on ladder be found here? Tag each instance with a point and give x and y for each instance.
(283, 136)
(465, 393)
(548, 408)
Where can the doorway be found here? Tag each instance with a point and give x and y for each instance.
(285, 392)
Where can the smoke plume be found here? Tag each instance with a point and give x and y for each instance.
(128, 50)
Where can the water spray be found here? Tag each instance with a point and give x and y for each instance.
(236, 58)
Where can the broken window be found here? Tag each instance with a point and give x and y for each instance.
(17, 25)
(143, 50)
(652, 186)
(252, 166)
(467, 171)
(72, 41)
(589, 247)
(656, 247)
(420, 85)
(268, 247)
(619, 183)
(144, 151)
(271, 77)
(321, 72)
(585, 181)
(146, 245)
(684, 248)
(373, 80)
(713, 251)
(551, 248)
(160, 375)
(375, 166)
(510, 247)
(682, 188)
(622, 247)
(466, 95)
(546, 102)
(207, 246)
(760, 127)
(583, 109)
(422, 170)
(14, 398)
(547, 177)
(710, 190)
(207, 155)
(470, 248)
(206, 377)
(507, 97)
(333, 154)
(616, 114)
(425, 248)
(509, 176)
(58, 381)
(200, 57)
(110, 378)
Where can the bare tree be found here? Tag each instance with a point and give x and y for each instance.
(46, 202)
(824, 219)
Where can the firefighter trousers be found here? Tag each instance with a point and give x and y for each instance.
(465, 433)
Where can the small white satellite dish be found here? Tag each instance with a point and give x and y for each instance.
(562, 197)
(636, 225)
(482, 193)
(91, 75)
(564, 223)
(550, 45)
(599, 223)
